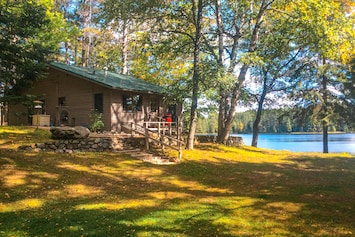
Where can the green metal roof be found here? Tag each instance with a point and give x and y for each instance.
(109, 79)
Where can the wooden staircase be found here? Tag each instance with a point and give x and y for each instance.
(160, 133)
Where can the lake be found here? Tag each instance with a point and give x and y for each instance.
(338, 142)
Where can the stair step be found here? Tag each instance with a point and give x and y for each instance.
(128, 151)
(147, 157)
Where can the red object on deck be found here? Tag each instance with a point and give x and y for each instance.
(168, 118)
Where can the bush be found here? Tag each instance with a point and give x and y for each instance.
(96, 121)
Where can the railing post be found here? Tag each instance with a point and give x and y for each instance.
(146, 137)
(179, 150)
(158, 130)
(179, 136)
(132, 129)
(162, 143)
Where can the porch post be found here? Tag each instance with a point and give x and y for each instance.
(146, 137)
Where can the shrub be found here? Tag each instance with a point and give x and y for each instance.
(96, 121)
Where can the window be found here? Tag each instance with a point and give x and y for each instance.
(61, 101)
(153, 104)
(99, 102)
(132, 103)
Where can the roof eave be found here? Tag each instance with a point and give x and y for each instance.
(102, 84)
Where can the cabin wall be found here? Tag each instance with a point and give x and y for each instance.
(69, 100)
(149, 111)
(78, 95)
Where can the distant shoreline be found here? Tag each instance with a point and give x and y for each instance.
(283, 133)
(296, 133)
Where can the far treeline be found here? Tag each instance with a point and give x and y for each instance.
(274, 121)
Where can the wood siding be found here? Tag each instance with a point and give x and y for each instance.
(79, 102)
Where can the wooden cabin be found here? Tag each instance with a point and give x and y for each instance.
(69, 94)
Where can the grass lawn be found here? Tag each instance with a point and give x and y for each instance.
(214, 191)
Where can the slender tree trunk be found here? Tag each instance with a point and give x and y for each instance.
(124, 43)
(193, 118)
(325, 137)
(221, 112)
(325, 111)
(254, 141)
(195, 77)
(223, 101)
(76, 55)
(66, 53)
(257, 120)
(233, 103)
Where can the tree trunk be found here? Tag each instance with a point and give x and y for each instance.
(76, 55)
(256, 123)
(195, 77)
(222, 112)
(124, 43)
(257, 120)
(83, 52)
(66, 59)
(223, 101)
(193, 119)
(325, 111)
(233, 103)
(325, 137)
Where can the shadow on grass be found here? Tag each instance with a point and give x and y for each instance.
(108, 194)
(12, 140)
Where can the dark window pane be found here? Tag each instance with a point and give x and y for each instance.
(99, 102)
(61, 101)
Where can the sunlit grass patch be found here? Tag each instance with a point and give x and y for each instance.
(21, 205)
(196, 186)
(15, 130)
(80, 190)
(119, 205)
(12, 137)
(13, 178)
(220, 154)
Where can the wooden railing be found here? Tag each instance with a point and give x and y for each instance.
(162, 133)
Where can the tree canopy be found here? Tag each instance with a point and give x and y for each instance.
(29, 33)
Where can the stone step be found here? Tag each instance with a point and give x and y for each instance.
(128, 150)
(148, 157)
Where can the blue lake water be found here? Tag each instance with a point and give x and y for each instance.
(339, 142)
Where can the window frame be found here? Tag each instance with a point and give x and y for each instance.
(132, 103)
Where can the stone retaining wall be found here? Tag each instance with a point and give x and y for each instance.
(99, 144)
(110, 143)
(232, 141)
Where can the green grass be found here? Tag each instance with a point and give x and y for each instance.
(214, 191)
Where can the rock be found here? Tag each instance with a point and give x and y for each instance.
(77, 132)
(40, 146)
(235, 141)
(232, 140)
(25, 148)
(206, 138)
